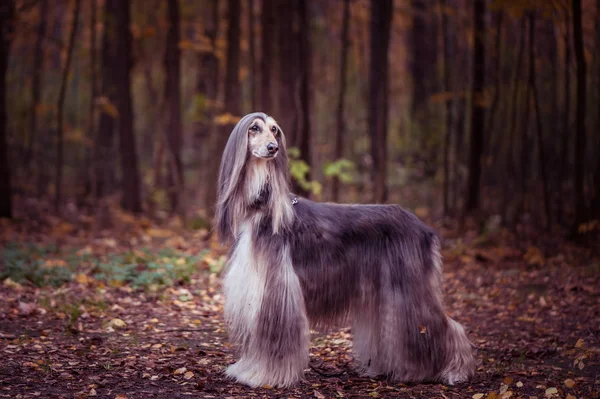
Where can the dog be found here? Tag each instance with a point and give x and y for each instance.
(296, 264)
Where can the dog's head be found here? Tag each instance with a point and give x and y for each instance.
(264, 138)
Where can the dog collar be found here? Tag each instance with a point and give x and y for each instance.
(294, 200)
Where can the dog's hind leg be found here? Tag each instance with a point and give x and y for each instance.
(412, 339)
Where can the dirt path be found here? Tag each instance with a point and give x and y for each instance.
(536, 329)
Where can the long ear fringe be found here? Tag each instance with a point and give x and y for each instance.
(235, 156)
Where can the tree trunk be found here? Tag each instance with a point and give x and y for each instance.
(122, 65)
(7, 15)
(497, 79)
(580, 137)
(174, 139)
(340, 125)
(596, 201)
(305, 66)
(104, 164)
(91, 133)
(447, 88)
(232, 80)
(266, 61)
(538, 118)
(61, 104)
(207, 88)
(566, 128)
(252, 57)
(232, 89)
(289, 71)
(477, 109)
(381, 21)
(36, 83)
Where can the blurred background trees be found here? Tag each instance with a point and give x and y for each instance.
(448, 107)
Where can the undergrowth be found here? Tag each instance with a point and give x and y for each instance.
(47, 266)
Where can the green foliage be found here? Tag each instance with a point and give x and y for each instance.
(28, 263)
(299, 170)
(342, 168)
(147, 270)
(40, 266)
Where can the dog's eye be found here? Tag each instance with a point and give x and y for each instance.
(254, 128)
(275, 131)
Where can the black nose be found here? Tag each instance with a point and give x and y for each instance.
(272, 148)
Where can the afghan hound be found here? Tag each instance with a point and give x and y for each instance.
(295, 263)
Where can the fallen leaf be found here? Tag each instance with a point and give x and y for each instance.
(551, 391)
(508, 380)
(180, 370)
(477, 396)
(579, 343)
(117, 323)
(519, 384)
(120, 396)
(188, 375)
(92, 392)
(318, 394)
(569, 396)
(569, 383)
(27, 308)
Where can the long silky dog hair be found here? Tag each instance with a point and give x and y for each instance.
(295, 264)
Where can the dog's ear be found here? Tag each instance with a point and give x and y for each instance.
(235, 156)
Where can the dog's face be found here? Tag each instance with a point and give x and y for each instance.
(264, 138)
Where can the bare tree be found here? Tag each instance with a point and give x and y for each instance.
(340, 125)
(303, 138)
(104, 168)
(580, 119)
(252, 57)
(174, 134)
(90, 152)
(266, 60)
(7, 15)
(61, 105)
(381, 21)
(538, 118)
(207, 87)
(477, 109)
(36, 82)
(122, 65)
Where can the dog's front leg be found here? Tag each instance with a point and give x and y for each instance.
(274, 338)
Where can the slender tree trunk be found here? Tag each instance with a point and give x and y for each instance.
(340, 124)
(232, 81)
(266, 60)
(566, 128)
(381, 21)
(478, 109)
(497, 78)
(447, 88)
(288, 42)
(61, 104)
(104, 165)
(90, 153)
(525, 144)
(596, 201)
(580, 136)
(538, 118)
(232, 86)
(7, 15)
(36, 83)
(122, 65)
(207, 88)
(174, 139)
(305, 66)
(252, 56)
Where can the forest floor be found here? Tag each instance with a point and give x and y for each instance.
(135, 311)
